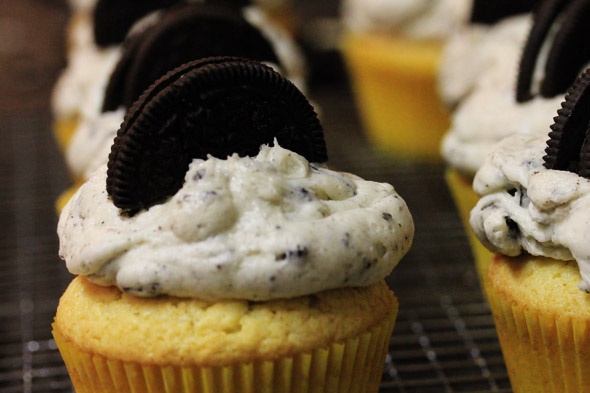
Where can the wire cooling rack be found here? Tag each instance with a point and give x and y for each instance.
(444, 339)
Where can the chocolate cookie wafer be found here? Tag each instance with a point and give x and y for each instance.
(489, 12)
(568, 147)
(112, 19)
(569, 50)
(214, 106)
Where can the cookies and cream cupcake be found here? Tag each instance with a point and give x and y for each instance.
(216, 251)
(522, 101)
(392, 51)
(164, 41)
(534, 212)
(98, 29)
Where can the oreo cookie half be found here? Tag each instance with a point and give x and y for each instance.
(217, 106)
(569, 50)
(182, 34)
(568, 146)
(112, 19)
(489, 12)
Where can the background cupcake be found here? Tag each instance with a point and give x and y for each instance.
(204, 258)
(518, 96)
(95, 33)
(392, 51)
(534, 207)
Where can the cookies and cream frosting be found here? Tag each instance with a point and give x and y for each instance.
(525, 207)
(488, 116)
(421, 19)
(79, 89)
(264, 227)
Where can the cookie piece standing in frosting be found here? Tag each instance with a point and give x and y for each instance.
(214, 106)
(112, 19)
(568, 53)
(567, 147)
(489, 12)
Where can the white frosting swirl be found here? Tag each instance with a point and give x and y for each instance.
(479, 53)
(271, 226)
(526, 207)
(80, 87)
(420, 19)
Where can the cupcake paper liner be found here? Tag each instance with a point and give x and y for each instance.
(465, 200)
(394, 81)
(63, 131)
(352, 366)
(65, 196)
(543, 351)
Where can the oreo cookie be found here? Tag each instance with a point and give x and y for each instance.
(568, 52)
(568, 146)
(488, 12)
(112, 19)
(182, 34)
(214, 106)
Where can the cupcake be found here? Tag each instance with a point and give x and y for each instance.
(171, 38)
(216, 252)
(518, 96)
(96, 31)
(533, 212)
(392, 50)
(94, 34)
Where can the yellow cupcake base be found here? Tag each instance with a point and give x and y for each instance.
(543, 323)
(394, 82)
(465, 200)
(65, 196)
(352, 364)
(63, 131)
